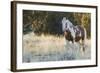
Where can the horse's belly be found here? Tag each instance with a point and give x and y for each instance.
(77, 39)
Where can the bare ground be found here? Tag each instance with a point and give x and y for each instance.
(52, 48)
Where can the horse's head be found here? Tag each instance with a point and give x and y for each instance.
(65, 24)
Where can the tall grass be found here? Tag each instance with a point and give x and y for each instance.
(49, 48)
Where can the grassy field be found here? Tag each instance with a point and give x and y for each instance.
(52, 48)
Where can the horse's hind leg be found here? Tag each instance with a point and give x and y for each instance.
(83, 45)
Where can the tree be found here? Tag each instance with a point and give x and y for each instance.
(49, 22)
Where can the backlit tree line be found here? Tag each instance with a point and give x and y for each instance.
(49, 22)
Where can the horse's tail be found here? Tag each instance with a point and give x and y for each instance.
(85, 34)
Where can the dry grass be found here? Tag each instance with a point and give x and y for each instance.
(51, 48)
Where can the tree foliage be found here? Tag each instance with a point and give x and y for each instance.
(49, 22)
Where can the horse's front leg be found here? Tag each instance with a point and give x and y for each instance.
(73, 41)
(73, 44)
